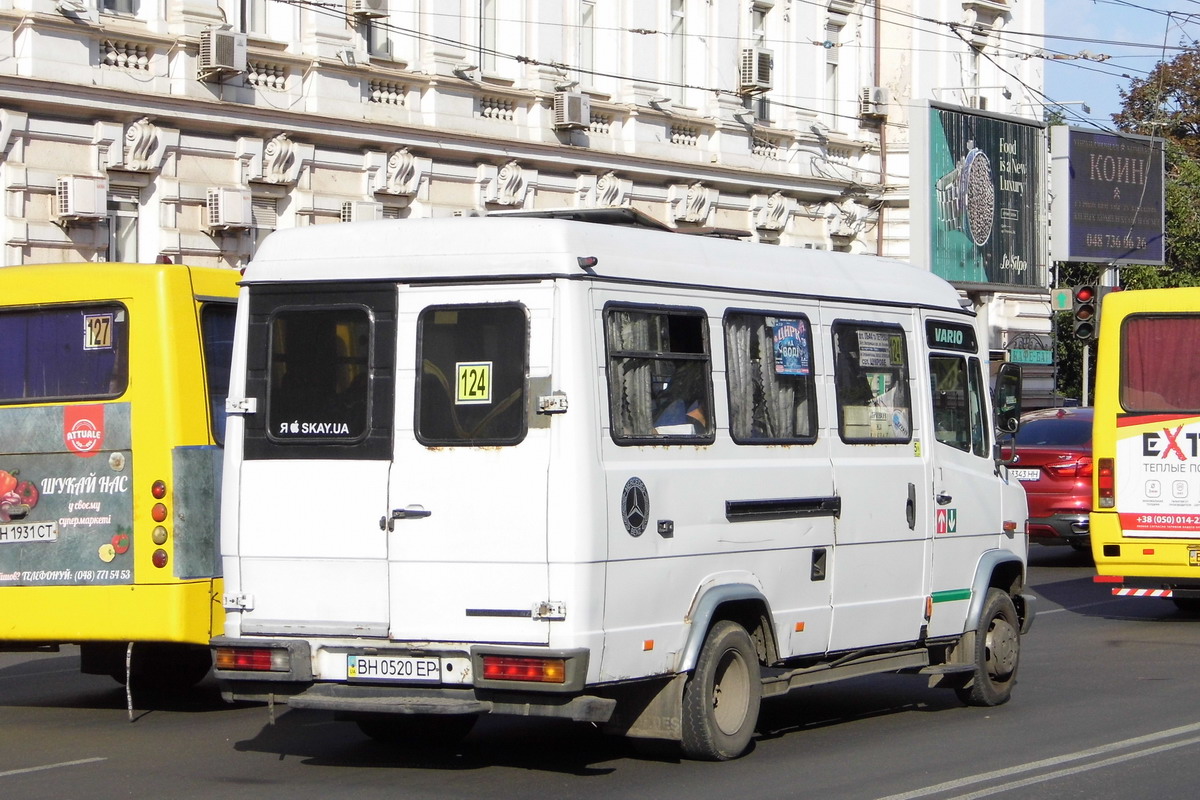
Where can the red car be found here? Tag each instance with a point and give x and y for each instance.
(1054, 464)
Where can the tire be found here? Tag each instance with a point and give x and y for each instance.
(164, 668)
(722, 697)
(422, 731)
(1188, 605)
(997, 651)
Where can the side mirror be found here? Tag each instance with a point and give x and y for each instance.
(1006, 400)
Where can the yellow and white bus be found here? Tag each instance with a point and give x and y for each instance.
(1145, 520)
(112, 389)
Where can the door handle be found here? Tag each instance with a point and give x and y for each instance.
(408, 512)
(943, 499)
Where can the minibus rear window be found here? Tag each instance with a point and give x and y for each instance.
(320, 363)
(1160, 366)
(64, 353)
(871, 375)
(473, 362)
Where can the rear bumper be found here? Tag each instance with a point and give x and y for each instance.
(292, 682)
(1060, 529)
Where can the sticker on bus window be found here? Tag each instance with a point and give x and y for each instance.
(791, 347)
(879, 349)
(474, 382)
(97, 331)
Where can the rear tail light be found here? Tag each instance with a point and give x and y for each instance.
(1080, 467)
(533, 670)
(252, 659)
(1105, 483)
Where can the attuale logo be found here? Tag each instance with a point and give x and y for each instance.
(83, 429)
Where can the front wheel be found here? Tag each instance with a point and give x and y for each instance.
(722, 696)
(997, 650)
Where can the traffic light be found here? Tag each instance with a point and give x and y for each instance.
(1085, 302)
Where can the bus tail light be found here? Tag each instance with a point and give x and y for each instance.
(534, 670)
(1105, 483)
(252, 659)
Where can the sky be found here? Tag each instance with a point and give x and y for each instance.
(1132, 33)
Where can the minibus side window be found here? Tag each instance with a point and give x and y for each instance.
(871, 376)
(659, 380)
(1160, 363)
(473, 375)
(216, 333)
(66, 353)
(958, 418)
(770, 375)
(320, 363)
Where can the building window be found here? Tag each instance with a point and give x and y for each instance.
(254, 16)
(833, 44)
(264, 218)
(123, 225)
(677, 68)
(587, 40)
(126, 8)
(487, 35)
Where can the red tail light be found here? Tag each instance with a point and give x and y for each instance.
(1106, 483)
(255, 659)
(536, 670)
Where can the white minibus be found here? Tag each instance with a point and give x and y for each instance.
(552, 467)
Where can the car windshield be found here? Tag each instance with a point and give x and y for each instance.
(1055, 432)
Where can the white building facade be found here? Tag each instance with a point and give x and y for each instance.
(133, 130)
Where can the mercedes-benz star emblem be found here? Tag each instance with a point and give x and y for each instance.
(635, 506)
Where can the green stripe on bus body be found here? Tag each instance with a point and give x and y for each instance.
(951, 595)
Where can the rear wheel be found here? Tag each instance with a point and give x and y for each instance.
(722, 697)
(1188, 605)
(997, 651)
(417, 730)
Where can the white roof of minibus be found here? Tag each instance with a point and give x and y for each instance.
(464, 248)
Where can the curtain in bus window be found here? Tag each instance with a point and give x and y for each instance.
(659, 383)
(72, 353)
(1160, 369)
(770, 398)
(473, 367)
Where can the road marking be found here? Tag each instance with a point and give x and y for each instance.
(1008, 772)
(51, 766)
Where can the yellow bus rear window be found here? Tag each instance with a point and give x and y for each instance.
(67, 353)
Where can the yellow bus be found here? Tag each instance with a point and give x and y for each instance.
(112, 406)
(1145, 519)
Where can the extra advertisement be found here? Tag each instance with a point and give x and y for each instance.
(1158, 476)
(66, 496)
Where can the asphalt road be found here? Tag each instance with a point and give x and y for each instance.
(1108, 706)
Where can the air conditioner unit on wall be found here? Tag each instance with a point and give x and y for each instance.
(572, 110)
(226, 208)
(756, 69)
(80, 197)
(367, 8)
(221, 51)
(978, 101)
(873, 102)
(361, 211)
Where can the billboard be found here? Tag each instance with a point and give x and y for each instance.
(978, 203)
(1108, 197)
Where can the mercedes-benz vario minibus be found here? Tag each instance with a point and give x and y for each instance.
(616, 475)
